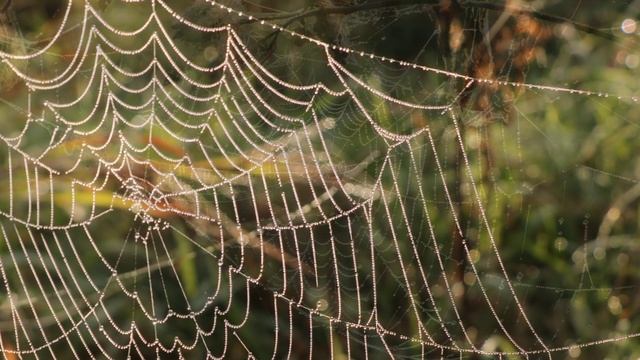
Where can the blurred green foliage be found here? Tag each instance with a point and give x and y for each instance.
(557, 172)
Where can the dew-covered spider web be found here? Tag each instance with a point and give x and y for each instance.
(195, 196)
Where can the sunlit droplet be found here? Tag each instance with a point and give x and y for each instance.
(629, 26)
(561, 243)
(632, 61)
(469, 278)
(322, 305)
(574, 351)
(614, 305)
(211, 53)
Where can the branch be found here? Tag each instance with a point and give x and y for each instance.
(345, 10)
(468, 4)
(5, 6)
(537, 15)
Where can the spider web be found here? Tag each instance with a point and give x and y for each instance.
(232, 172)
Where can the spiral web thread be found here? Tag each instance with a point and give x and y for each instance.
(240, 147)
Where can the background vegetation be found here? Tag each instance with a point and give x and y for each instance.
(558, 172)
